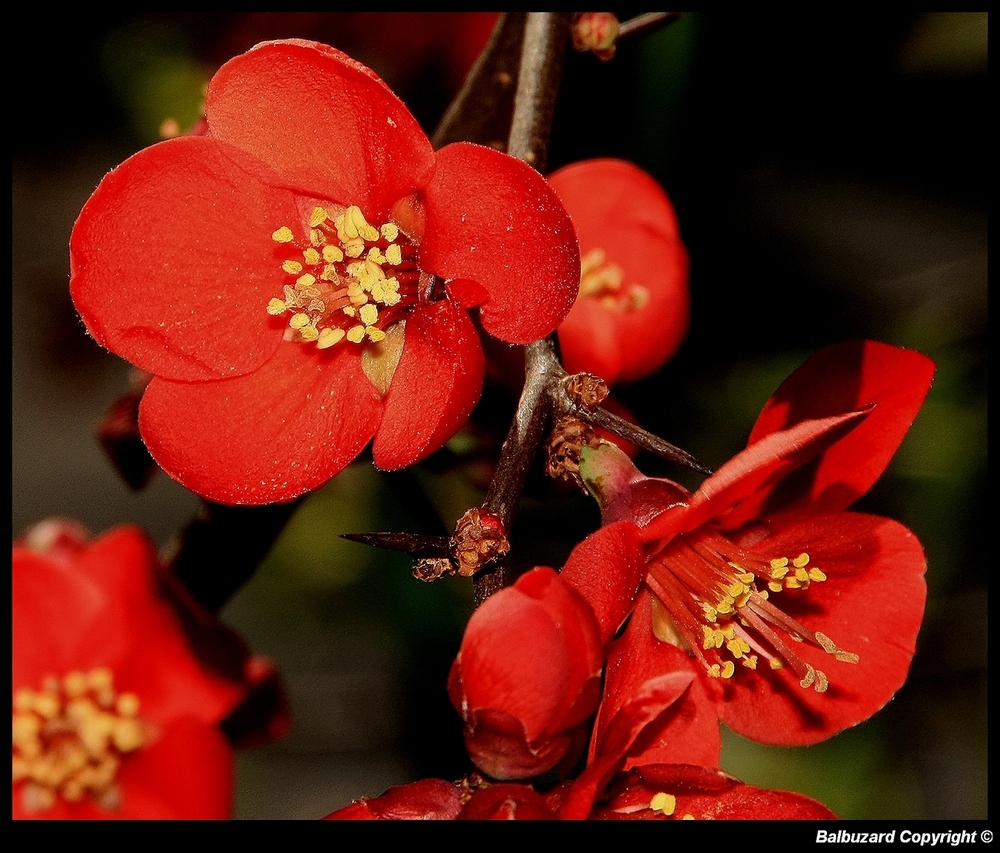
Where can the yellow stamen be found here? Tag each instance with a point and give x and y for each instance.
(70, 737)
(663, 803)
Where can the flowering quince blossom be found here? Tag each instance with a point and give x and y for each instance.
(122, 686)
(632, 311)
(298, 278)
(800, 618)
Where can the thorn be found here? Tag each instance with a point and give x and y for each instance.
(414, 544)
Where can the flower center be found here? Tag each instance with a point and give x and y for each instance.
(69, 739)
(605, 282)
(716, 598)
(350, 281)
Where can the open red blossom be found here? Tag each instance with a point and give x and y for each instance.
(119, 684)
(527, 676)
(298, 279)
(799, 617)
(632, 311)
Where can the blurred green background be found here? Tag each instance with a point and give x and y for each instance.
(830, 177)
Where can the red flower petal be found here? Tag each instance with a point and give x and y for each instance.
(841, 378)
(590, 341)
(652, 684)
(427, 799)
(172, 261)
(328, 124)
(494, 219)
(186, 774)
(315, 412)
(46, 593)
(607, 568)
(703, 793)
(729, 496)
(435, 387)
(506, 801)
(871, 604)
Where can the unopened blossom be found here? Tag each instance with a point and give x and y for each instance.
(298, 279)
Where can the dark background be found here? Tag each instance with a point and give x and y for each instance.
(829, 173)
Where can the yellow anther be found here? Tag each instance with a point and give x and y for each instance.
(775, 586)
(292, 267)
(127, 704)
(45, 705)
(736, 589)
(394, 254)
(311, 256)
(368, 314)
(664, 803)
(332, 254)
(316, 305)
(346, 229)
(299, 321)
(309, 333)
(75, 684)
(318, 217)
(809, 678)
(283, 235)
(817, 574)
(355, 334)
(305, 280)
(353, 247)
(330, 273)
(364, 229)
(375, 256)
(801, 560)
(714, 670)
(389, 231)
(328, 337)
(738, 647)
(776, 663)
(750, 661)
(374, 271)
(779, 563)
(728, 668)
(802, 575)
(23, 699)
(317, 237)
(375, 334)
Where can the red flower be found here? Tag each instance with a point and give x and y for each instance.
(298, 280)
(632, 311)
(527, 676)
(800, 618)
(116, 713)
